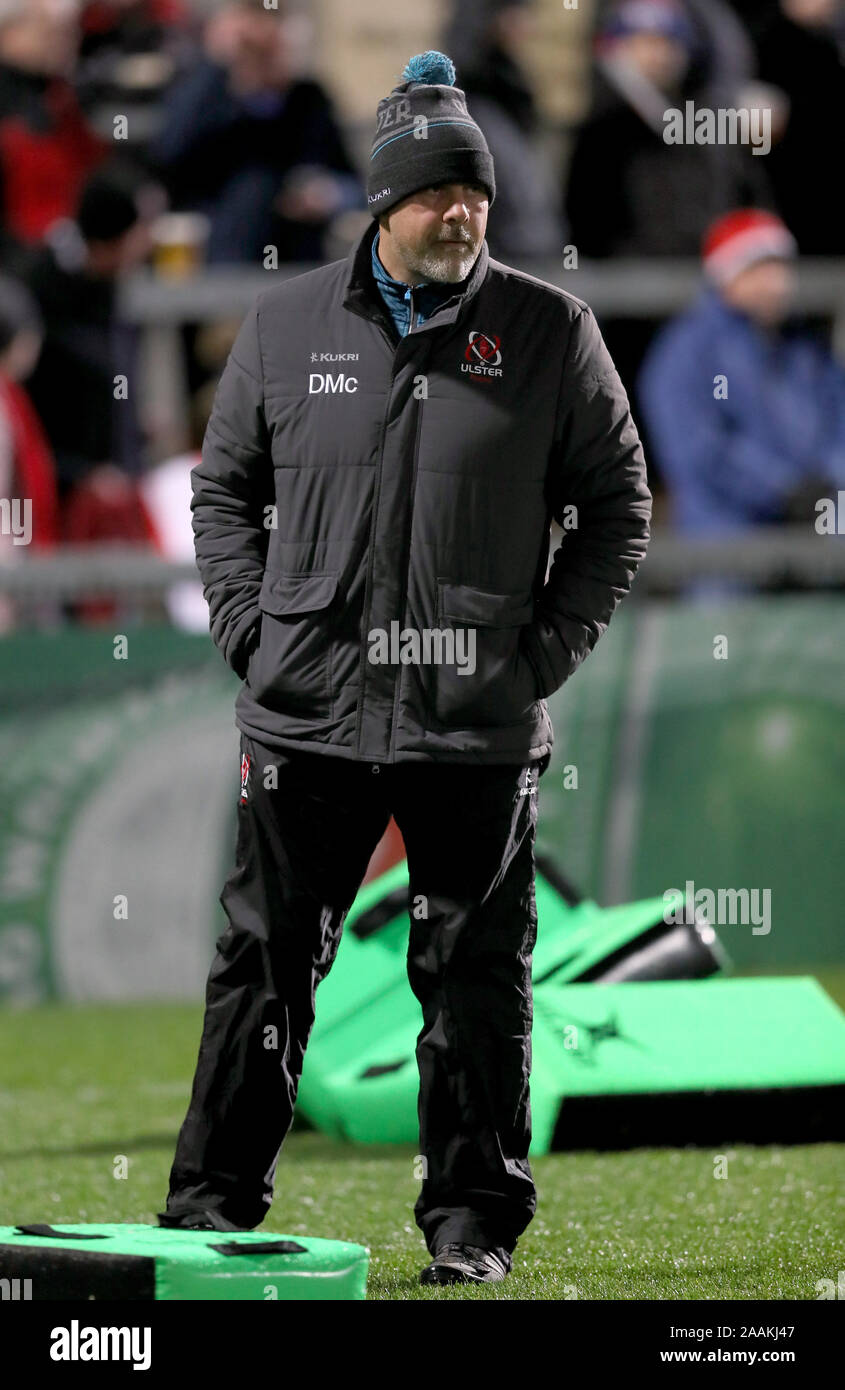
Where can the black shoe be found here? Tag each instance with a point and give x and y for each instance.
(207, 1220)
(467, 1264)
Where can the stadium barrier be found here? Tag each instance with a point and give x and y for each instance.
(702, 743)
(637, 288)
(767, 557)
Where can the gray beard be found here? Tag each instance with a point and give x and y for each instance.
(442, 267)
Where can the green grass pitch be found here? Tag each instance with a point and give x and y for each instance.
(88, 1091)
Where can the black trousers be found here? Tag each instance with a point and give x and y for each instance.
(308, 825)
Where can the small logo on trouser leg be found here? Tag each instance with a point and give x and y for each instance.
(246, 764)
(530, 783)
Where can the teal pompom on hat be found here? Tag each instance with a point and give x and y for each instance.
(430, 67)
(425, 135)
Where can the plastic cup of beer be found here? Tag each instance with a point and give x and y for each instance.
(179, 241)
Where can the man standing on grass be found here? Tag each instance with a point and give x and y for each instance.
(390, 440)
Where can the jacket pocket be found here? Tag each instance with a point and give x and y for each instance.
(492, 683)
(291, 669)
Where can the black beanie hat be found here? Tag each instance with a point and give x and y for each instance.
(424, 135)
(108, 204)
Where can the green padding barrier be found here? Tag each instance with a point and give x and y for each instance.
(150, 1262)
(753, 1037)
(690, 1035)
(120, 782)
(572, 940)
(709, 745)
(360, 1077)
(689, 1062)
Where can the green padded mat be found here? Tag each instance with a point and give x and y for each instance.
(360, 1077)
(773, 1049)
(152, 1262)
(366, 995)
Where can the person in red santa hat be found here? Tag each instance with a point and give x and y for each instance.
(745, 409)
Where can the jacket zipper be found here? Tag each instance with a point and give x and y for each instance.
(368, 586)
(407, 565)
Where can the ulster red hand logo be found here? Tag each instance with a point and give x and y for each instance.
(480, 348)
(483, 355)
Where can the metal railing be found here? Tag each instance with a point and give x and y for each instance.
(762, 559)
(628, 288)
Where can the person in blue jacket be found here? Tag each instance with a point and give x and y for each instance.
(745, 413)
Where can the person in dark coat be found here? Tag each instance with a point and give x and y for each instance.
(255, 148)
(629, 192)
(390, 441)
(131, 26)
(484, 37)
(74, 276)
(801, 51)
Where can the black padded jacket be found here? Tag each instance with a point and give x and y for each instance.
(372, 514)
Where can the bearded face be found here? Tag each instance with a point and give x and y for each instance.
(436, 233)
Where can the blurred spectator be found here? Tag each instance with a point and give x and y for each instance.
(629, 192)
(252, 145)
(166, 491)
(46, 147)
(746, 414)
(27, 470)
(802, 51)
(89, 414)
(131, 26)
(131, 52)
(483, 37)
(726, 59)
